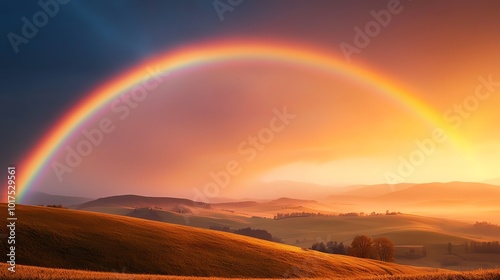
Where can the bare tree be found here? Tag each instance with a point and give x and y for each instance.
(362, 246)
(384, 249)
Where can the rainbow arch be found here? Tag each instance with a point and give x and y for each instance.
(201, 54)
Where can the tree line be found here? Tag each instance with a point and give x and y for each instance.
(280, 216)
(53, 205)
(492, 247)
(487, 227)
(256, 233)
(362, 246)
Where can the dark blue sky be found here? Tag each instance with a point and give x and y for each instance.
(87, 42)
(84, 44)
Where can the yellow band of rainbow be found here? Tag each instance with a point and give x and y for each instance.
(201, 54)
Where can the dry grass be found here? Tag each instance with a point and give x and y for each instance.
(407, 229)
(32, 273)
(70, 239)
(489, 274)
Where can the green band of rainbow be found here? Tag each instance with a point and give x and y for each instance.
(201, 54)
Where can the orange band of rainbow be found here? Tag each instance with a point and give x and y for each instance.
(36, 161)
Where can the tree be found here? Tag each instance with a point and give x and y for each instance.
(257, 233)
(331, 246)
(361, 246)
(319, 246)
(384, 249)
(341, 249)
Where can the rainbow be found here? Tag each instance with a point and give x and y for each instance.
(202, 54)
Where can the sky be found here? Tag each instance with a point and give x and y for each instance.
(232, 128)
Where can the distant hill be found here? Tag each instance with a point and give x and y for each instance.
(495, 181)
(41, 198)
(376, 190)
(287, 200)
(136, 201)
(453, 191)
(266, 190)
(425, 195)
(229, 205)
(71, 239)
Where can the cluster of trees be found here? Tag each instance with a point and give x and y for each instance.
(362, 247)
(331, 247)
(280, 216)
(52, 205)
(414, 253)
(150, 209)
(486, 227)
(256, 233)
(55, 205)
(387, 212)
(482, 247)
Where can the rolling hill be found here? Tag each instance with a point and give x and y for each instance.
(421, 195)
(467, 201)
(72, 239)
(235, 205)
(495, 181)
(136, 201)
(41, 273)
(376, 190)
(453, 191)
(41, 198)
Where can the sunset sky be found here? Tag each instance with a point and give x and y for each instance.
(315, 125)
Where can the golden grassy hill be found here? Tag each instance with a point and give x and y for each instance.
(71, 239)
(40, 273)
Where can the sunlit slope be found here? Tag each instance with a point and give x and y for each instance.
(141, 201)
(61, 238)
(33, 272)
(401, 229)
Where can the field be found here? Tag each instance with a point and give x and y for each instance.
(70, 239)
(148, 236)
(403, 229)
(34, 273)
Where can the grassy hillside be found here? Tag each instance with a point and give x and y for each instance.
(402, 229)
(433, 233)
(141, 201)
(32, 273)
(71, 239)
(41, 198)
(406, 229)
